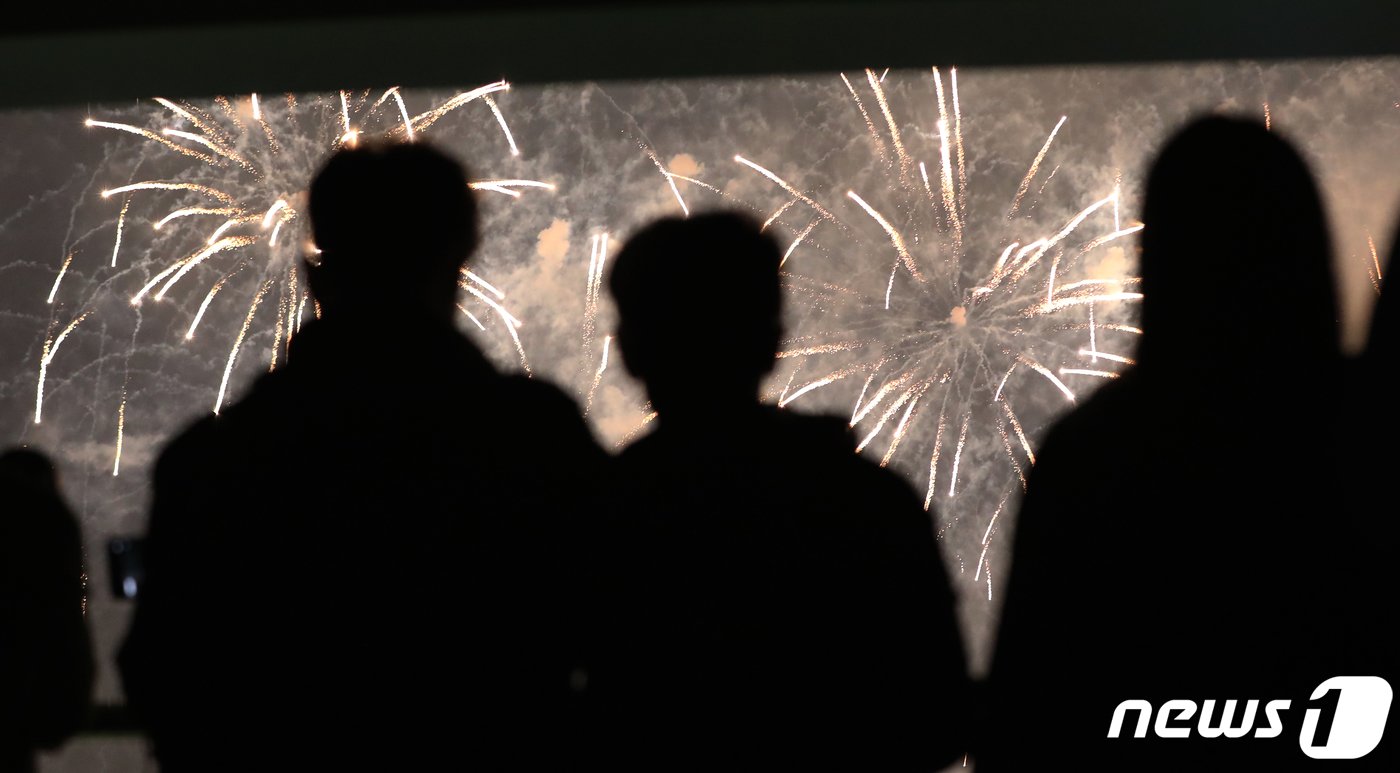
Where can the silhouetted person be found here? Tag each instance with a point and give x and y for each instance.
(1367, 550)
(1169, 543)
(363, 563)
(779, 603)
(46, 667)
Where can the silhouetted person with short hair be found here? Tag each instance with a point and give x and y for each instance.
(1165, 548)
(363, 564)
(46, 667)
(778, 602)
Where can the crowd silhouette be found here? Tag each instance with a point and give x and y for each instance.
(389, 554)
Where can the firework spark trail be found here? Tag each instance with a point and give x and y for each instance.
(238, 342)
(150, 135)
(1117, 233)
(903, 425)
(471, 317)
(803, 234)
(777, 214)
(958, 138)
(1042, 370)
(204, 306)
(121, 223)
(182, 267)
(804, 198)
(869, 124)
(210, 144)
(906, 164)
(957, 456)
(1011, 454)
(50, 351)
(157, 185)
(598, 376)
(1020, 433)
(895, 239)
(828, 379)
(670, 178)
(485, 285)
(933, 461)
(424, 120)
(950, 199)
(880, 395)
(592, 291)
(507, 186)
(694, 181)
(822, 349)
(1080, 300)
(68, 261)
(1106, 356)
(501, 119)
(188, 211)
(1088, 372)
(1375, 274)
(121, 427)
(1035, 166)
(890, 411)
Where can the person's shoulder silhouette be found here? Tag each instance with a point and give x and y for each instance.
(46, 665)
(1160, 549)
(362, 559)
(779, 601)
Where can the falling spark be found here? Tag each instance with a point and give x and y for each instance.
(501, 119)
(121, 426)
(508, 186)
(957, 456)
(156, 185)
(869, 123)
(1035, 166)
(778, 213)
(204, 306)
(895, 238)
(64, 270)
(598, 377)
(121, 222)
(1085, 372)
(51, 350)
(933, 462)
(238, 342)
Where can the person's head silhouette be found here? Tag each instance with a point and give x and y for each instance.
(393, 223)
(25, 467)
(699, 306)
(1236, 266)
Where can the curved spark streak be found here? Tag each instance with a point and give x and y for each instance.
(227, 243)
(156, 185)
(1106, 356)
(1042, 370)
(238, 342)
(121, 426)
(501, 119)
(1086, 372)
(121, 223)
(1081, 300)
(804, 198)
(1035, 167)
(895, 238)
(204, 306)
(51, 350)
(424, 120)
(957, 457)
(188, 211)
(490, 288)
(68, 261)
(150, 135)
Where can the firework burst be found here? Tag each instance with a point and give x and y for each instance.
(230, 213)
(966, 332)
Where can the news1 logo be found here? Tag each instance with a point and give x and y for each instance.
(1345, 718)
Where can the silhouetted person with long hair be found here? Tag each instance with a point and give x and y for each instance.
(362, 564)
(778, 602)
(1163, 547)
(46, 668)
(1366, 552)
